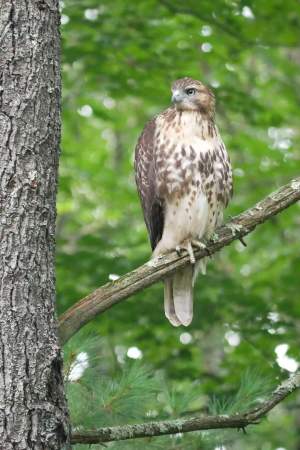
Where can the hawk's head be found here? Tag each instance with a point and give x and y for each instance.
(192, 95)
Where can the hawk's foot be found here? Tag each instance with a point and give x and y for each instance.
(186, 246)
(201, 245)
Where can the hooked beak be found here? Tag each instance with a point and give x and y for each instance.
(177, 97)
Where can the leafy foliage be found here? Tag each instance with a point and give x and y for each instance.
(137, 394)
(253, 387)
(119, 59)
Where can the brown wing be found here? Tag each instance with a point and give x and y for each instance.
(224, 175)
(145, 177)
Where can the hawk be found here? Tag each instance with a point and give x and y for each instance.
(184, 180)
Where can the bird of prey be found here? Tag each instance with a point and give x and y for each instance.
(184, 180)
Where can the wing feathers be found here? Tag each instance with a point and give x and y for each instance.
(146, 183)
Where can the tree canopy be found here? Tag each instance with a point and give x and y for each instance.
(119, 59)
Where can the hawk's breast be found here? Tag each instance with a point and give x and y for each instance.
(186, 175)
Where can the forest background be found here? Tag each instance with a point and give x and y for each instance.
(119, 59)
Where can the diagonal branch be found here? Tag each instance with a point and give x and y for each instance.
(186, 425)
(112, 293)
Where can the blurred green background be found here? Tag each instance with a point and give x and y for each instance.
(119, 59)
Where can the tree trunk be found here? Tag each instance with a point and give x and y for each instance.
(33, 411)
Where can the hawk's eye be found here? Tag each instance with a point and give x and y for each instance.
(190, 91)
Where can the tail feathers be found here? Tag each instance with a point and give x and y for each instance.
(183, 295)
(169, 303)
(179, 297)
(179, 293)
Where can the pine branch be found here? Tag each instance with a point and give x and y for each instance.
(112, 293)
(185, 425)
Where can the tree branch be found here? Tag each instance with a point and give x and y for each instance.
(112, 293)
(186, 425)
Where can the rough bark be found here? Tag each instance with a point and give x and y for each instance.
(185, 425)
(33, 412)
(112, 293)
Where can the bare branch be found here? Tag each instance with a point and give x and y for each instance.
(185, 425)
(112, 293)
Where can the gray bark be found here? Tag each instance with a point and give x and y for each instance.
(33, 412)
